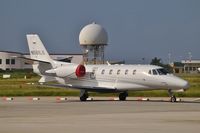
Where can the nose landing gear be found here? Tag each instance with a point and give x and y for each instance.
(173, 97)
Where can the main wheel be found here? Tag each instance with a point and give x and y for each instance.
(84, 97)
(122, 96)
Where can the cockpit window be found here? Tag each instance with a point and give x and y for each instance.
(154, 72)
(162, 71)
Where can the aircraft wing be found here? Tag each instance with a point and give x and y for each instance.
(68, 59)
(87, 88)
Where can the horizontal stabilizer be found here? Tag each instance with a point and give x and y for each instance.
(29, 59)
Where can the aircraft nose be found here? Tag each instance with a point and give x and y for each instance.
(184, 84)
(179, 83)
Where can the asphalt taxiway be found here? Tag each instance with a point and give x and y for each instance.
(47, 115)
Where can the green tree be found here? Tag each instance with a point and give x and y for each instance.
(158, 62)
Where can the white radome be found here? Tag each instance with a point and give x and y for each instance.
(93, 34)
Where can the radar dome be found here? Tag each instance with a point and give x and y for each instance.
(93, 34)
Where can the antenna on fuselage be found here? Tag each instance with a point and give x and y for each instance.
(108, 63)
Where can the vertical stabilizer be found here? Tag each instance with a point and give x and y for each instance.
(37, 49)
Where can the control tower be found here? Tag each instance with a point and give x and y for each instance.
(93, 38)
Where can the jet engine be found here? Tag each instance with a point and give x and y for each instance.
(70, 70)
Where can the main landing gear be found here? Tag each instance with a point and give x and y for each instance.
(123, 95)
(83, 95)
(173, 97)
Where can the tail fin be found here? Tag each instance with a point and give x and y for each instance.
(37, 49)
(39, 54)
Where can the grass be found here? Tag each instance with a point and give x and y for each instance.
(18, 86)
(25, 87)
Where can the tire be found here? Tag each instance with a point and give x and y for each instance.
(122, 96)
(173, 99)
(84, 97)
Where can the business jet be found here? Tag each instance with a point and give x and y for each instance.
(104, 78)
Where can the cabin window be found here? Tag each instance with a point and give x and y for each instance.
(134, 71)
(126, 72)
(149, 72)
(154, 72)
(110, 72)
(103, 71)
(118, 72)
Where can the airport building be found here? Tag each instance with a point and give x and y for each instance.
(9, 60)
(191, 66)
(186, 66)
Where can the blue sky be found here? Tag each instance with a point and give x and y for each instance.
(136, 28)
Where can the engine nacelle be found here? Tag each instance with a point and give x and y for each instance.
(70, 70)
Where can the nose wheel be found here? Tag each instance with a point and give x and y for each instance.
(173, 97)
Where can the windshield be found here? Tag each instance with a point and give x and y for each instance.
(154, 72)
(162, 71)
